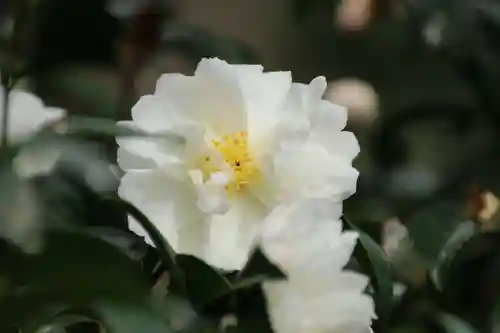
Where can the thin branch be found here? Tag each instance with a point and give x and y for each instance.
(5, 107)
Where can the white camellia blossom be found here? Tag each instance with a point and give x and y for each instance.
(306, 241)
(27, 115)
(253, 140)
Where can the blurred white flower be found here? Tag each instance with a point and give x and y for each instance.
(353, 15)
(359, 97)
(253, 140)
(306, 240)
(20, 212)
(393, 234)
(433, 29)
(27, 115)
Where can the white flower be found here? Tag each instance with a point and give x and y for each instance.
(27, 115)
(253, 140)
(306, 240)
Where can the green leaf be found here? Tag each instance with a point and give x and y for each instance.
(495, 317)
(372, 258)
(453, 324)
(179, 313)
(100, 126)
(177, 276)
(462, 234)
(204, 283)
(74, 271)
(257, 270)
(50, 319)
(110, 316)
(431, 227)
(467, 276)
(118, 317)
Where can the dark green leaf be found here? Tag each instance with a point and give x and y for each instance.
(453, 324)
(430, 228)
(372, 258)
(179, 313)
(177, 282)
(257, 270)
(468, 276)
(100, 126)
(73, 271)
(204, 283)
(137, 317)
(495, 318)
(460, 236)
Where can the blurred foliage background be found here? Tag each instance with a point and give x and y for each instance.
(421, 79)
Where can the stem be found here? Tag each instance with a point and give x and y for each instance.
(5, 107)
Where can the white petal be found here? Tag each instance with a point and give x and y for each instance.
(233, 234)
(291, 131)
(193, 228)
(329, 116)
(318, 295)
(296, 99)
(137, 154)
(248, 69)
(129, 161)
(265, 96)
(175, 108)
(149, 152)
(212, 195)
(305, 99)
(293, 234)
(27, 115)
(54, 114)
(339, 308)
(179, 96)
(150, 115)
(327, 123)
(291, 222)
(340, 144)
(137, 228)
(307, 171)
(152, 193)
(170, 205)
(316, 89)
(220, 100)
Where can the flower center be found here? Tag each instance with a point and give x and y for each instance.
(235, 152)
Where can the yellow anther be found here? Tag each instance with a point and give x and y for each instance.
(235, 152)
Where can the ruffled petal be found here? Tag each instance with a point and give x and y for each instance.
(212, 195)
(220, 98)
(308, 171)
(170, 205)
(233, 234)
(318, 296)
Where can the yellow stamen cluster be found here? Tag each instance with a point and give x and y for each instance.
(235, 152)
